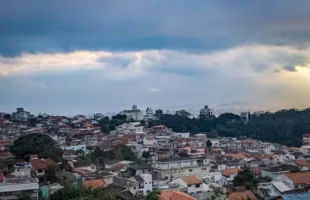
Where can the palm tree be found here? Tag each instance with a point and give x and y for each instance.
(154, 195)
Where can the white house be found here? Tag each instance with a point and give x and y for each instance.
(145, 183)
(192, 184)
(172, 168)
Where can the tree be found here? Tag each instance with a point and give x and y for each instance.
(124, 152)
(209, 144)
(43, 145)
(80, 152)
(51, 173)
(24, 196)
(82, 193)
(154, 195)
(246, 179)
(145, 155)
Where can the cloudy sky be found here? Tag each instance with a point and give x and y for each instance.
(84, 56)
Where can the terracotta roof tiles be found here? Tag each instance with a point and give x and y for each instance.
(228, 172)
(191, 180)
(242, 195)
(175, 195)
(95, 183)
(299, 177)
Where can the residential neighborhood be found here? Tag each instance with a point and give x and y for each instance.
(139, 157)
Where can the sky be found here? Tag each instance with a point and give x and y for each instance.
(79, 56)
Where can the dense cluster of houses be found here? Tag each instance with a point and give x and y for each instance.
(180, 165)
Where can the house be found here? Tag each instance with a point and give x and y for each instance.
(107, 177)
(213, 177)
(273, 189)
(139, 169)
(304, 165)
(69, 154)
(12, 187)
(276, 171)
(230, 174)
(306, 138)
(40, 166)
(297, 180)
(94, 183)
(145, 184)
(192, 184)
(110, 164)
(194, 152)
(175, 195)
(305, 149)
(242, 195)
(22, 169)
(84, 165)
(176, 167)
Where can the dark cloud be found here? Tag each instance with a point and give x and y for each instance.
(35, 26)
(290, 68)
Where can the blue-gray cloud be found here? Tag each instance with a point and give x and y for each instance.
(36, 26)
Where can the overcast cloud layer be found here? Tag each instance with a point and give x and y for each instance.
(86, 56)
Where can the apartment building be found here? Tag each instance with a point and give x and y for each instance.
(173, 168)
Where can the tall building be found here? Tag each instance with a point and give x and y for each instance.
(134, 114)
(206, 112)
(21, 115)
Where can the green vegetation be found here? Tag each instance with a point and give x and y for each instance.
(246, 179)
(154, 195)
(108, 125)
(51, 171)
(43, 145)
(24, 196)
(121, 152)
(284, 127)
(83, 193)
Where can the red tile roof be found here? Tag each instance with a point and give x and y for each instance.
(227, 172)
(242, 195)
(95, 183)
(175, 195)
(38, 164)
(302, 163)
(299, 177)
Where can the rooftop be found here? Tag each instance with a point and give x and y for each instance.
(95, 183)
(191, 180)
(175, 195)
(176, 159)
(282, 168)
(242, 195)
(18, 184)
(227, 172)
(299, 177)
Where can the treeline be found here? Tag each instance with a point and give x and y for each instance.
(284, 127)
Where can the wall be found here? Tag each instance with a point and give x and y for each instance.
(76, 147)
(148, 184)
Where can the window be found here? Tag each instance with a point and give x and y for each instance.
(166, 177)
(145, 183)
(149, 182)
(190, 170)
(148, 191)
(197, 185)
(204, 168)
(134, 188)
(40, 171)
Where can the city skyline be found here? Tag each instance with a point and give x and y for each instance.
(66, 57)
